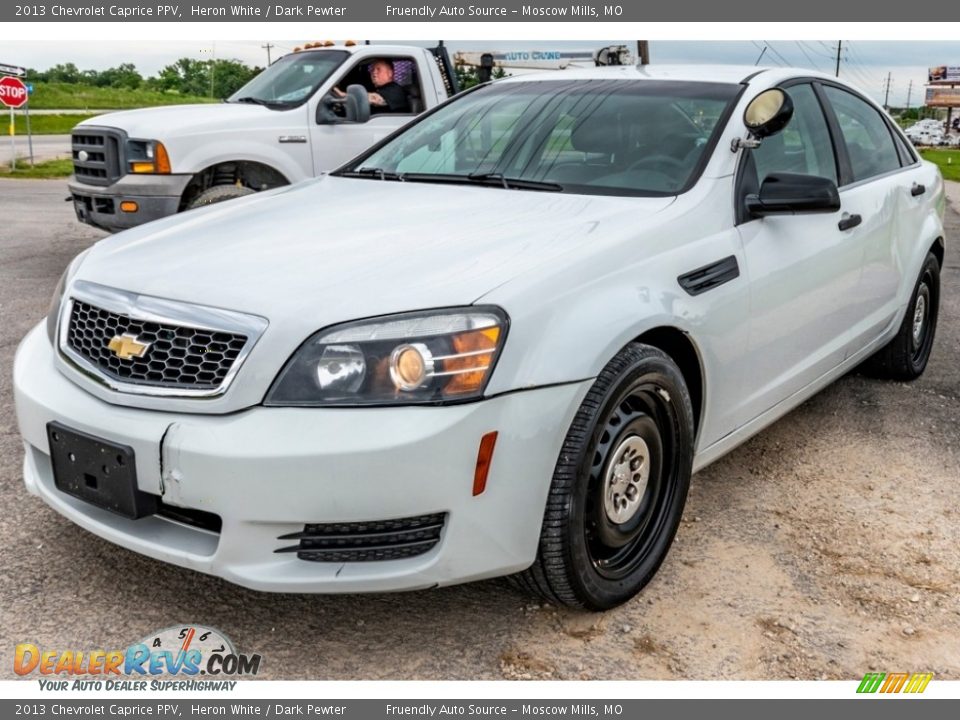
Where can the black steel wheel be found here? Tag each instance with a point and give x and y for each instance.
(906, 356)
(619, 486)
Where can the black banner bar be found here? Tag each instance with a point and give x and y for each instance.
(475, 11)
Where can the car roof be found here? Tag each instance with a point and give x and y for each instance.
(687, 73)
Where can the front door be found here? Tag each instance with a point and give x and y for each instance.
(804, 270)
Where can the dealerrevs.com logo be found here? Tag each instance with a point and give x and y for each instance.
(181, 650)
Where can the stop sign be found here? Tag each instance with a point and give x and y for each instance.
(13, 93)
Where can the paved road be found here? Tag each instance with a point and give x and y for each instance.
(45, 147)
(827, 546)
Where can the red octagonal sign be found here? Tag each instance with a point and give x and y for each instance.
(13, 93)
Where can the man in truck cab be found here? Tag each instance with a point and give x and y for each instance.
(387, 96)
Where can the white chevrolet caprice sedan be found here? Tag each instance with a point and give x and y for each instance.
(498, 342)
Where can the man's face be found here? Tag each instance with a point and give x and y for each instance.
(381, 73)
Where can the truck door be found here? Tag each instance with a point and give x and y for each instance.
(334, 141)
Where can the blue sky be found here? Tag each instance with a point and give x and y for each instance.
(865, 63)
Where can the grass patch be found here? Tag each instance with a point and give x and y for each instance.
(67, 96)
(947, 160)
(42, 124)
(42, 170)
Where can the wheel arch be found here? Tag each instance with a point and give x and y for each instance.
(939, 250)
(683, 350)
(250, 173)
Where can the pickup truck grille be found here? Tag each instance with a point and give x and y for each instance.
(175, 356)
(97, 155)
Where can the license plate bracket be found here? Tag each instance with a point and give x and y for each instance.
(98, 471)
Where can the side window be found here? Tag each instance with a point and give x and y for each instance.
(803, 146)
(393, 79)
(869, 143)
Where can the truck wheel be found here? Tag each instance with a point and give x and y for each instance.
(905, 357)
(619, 486)
(218, 193)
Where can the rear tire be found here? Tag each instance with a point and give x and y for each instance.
(619, 486)
(218, 193)
(905, 357)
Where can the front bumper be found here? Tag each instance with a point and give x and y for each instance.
(269, 471)
(157, 196)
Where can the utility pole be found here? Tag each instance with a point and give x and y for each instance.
(909, 92)
(267, 47)
(839, 45)
(886, 96)
(643, 51)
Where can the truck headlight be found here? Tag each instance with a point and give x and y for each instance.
(431, 357)
(147, 157)
(53, 314)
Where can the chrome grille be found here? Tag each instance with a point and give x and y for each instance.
(101, 162)
(367, 541)
(177, 356)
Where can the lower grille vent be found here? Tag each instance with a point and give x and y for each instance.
(367, 541)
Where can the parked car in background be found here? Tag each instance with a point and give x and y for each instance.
(498, 342)
(293, 121)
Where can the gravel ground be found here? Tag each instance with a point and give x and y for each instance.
(825, 547)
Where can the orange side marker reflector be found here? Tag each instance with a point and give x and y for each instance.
(484, 458)
(129, 206)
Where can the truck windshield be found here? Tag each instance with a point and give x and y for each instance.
(291, 79)
(598, 137)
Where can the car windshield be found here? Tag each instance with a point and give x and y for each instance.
(600, 137)
(291, 79)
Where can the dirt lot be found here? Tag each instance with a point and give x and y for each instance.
(824, 548)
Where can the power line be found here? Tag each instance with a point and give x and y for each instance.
(807, 56)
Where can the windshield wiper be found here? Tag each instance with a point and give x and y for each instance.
(484, 179)
(373, 172)
(260, 101)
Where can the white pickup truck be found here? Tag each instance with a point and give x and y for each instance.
(305, 114)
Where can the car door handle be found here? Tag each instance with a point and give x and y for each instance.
(918, 189)
(849, 221)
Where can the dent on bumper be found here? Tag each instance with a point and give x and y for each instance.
(269, 471)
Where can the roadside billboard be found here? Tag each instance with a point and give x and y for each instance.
(942, 97)
(944, 74)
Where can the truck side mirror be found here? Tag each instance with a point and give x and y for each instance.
(354, 107)
(357, 104)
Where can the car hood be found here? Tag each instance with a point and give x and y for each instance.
(337, 249)
(174, 120)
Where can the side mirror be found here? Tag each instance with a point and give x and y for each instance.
(785, 193)
(353, 107)
(357, 104)
(768, 113)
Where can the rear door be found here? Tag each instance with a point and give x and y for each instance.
(882, 188)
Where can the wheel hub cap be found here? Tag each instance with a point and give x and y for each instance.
(626, 479)
(919, 314)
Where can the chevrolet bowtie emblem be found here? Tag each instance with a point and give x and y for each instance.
(127, 346)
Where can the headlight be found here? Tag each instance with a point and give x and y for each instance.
(53, 313)
(147, 156)
(428, 357)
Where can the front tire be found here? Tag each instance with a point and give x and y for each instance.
(619, 486)
(905, 357)
(219, 193)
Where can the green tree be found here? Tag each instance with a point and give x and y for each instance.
(122, 76)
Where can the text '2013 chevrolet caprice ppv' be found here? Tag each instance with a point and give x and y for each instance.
(498, 342)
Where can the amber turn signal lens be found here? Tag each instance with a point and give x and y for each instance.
(129, 206)
(478, 346)
(162, 159)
